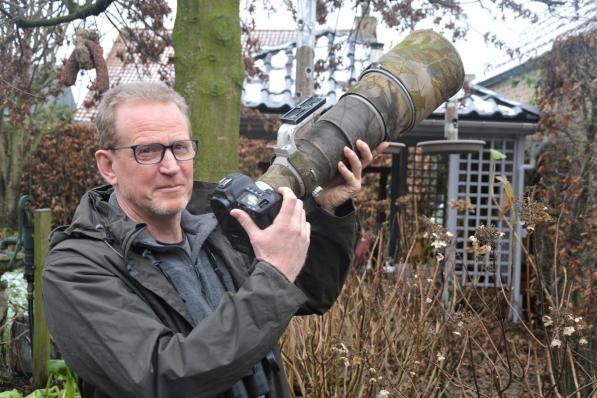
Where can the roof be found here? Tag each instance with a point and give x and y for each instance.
(273, 92)
(565, 20)
(484, 104)
(336, 73)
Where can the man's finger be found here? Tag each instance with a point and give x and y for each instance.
(355, 163)
(365, 153)
(349, 177)
(245, 221)
(286, 192)
(289, 203)
(380, 148)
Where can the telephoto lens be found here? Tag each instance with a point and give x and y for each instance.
(403, 88)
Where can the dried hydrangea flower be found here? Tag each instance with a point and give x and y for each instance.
(532, 212)
(557, 343)
(462, 205)
(383, 394)
(568, 330)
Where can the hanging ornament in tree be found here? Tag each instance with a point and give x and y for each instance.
(88, 54)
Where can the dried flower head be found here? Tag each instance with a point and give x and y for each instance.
(440, 236)
(532, 212)
(462, 205)
(383, 394)
(568, 330)
(487, 235)
(556, 343)
(547, 321)
(583, 341)
(478, 249)
(438, 244)
(340, 349)
(463, 322)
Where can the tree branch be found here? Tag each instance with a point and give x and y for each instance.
(445, 3)
(70, 5)
(550, 3)
(75, 12)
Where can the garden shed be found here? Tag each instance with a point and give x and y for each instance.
(438, 179)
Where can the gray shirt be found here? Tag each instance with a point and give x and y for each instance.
(189, 266)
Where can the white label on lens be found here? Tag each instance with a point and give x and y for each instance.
(263, 186)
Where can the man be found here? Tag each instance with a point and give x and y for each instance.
(145, 299)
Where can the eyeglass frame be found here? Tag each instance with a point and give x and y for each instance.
(133, 148)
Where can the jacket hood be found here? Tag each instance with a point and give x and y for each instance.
(95, 218)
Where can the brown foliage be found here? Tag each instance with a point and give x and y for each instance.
(562, 275)
(61, 170)
(566, 172)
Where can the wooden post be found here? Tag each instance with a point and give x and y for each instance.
(42, 220)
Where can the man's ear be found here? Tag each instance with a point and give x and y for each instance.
(105, 161)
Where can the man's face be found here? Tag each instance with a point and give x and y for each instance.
(155, 190)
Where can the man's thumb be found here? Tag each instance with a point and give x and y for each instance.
(245, 221)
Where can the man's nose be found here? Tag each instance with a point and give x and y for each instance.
(169, 164)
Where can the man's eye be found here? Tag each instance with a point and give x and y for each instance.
(181, 146)
(148, 149)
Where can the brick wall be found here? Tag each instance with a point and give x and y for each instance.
(520, 87)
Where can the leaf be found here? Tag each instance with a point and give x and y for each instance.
(11, 394)
(509, 194)
(57, 367)
(496, 155)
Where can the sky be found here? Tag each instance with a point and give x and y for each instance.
(478, 57)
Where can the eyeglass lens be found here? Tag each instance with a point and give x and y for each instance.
(154, 153)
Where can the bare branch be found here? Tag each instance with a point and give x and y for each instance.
(75, 12)
(445, 3)
(70, 5)
(550, 3)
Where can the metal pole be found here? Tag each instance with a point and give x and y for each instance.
(305, 53)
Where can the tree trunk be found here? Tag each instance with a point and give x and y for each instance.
(209, 73)
(11, 166)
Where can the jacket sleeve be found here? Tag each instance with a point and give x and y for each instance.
(115, 341)
(329, 257)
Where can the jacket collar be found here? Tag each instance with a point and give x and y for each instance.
(95, 218)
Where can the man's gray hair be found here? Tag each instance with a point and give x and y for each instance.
(150, 92)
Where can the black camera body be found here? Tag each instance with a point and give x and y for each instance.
(258, 199)
(238, 191)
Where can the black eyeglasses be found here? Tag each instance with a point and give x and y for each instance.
(154, 153)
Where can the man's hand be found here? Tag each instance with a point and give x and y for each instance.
(334, 196)
(283, 244)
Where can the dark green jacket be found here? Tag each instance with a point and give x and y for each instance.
(121, 326)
